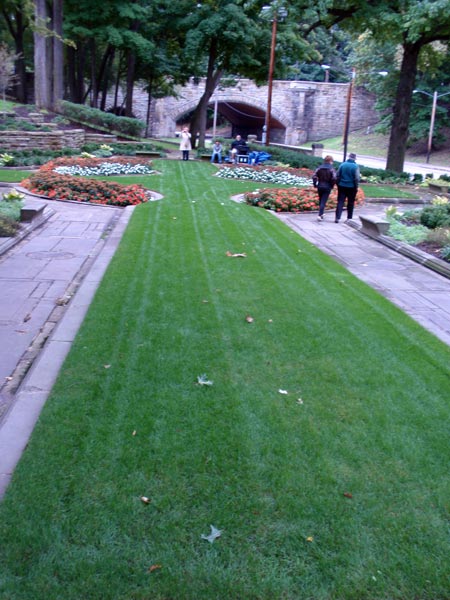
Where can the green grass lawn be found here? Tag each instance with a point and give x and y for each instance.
(12, 176)
(337, 489)
(386, 191)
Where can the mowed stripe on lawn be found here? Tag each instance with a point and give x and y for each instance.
(337, 489)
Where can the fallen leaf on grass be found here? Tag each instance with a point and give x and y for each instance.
(106, 366)
(203, 380)
(310, 539)
(154, 568)
(236, 254)
(215, 533)
(348, 495)
(283, 392)
(299, 401)
(134, 433)
(249, 319)
(145, 500)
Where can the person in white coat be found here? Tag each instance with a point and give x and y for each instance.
(185, 144)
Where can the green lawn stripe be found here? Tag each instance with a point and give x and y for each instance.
(238, 454)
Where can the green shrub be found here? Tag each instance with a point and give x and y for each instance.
(439, 236)
(408, 234)
(436, 216)
(410, 217)
(294, 159)
(8, 226)
(445, 253)
(298, 160)
(95, 117)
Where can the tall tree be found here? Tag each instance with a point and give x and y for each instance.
(17, 14)
(413, 25)
(233, 37)
(48, 53)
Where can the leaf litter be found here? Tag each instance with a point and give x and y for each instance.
(215, 533)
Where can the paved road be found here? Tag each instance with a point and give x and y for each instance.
(380, 163)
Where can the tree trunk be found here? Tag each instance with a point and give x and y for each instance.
(198, 122)
(131, 64)
(106, 77)
(149, 106)
(58, 57)
(402, 108)
(16, 29)
(117, 84)
(41, 64)
(93, 85)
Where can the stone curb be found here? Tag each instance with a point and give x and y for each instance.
(20, 419)
(435, 264)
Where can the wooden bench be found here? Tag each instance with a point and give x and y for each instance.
(148, 153)
(31, 212)
(374, 226)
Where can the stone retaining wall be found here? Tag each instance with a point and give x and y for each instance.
(50, 140)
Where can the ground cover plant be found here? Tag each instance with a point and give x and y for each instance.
(11, 203)
(220, 379)
(427, 228)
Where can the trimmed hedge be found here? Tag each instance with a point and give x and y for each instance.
(98, 118)
(298, 160)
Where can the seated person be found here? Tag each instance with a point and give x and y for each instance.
(238, 146)
(234, 148)
(216, 152)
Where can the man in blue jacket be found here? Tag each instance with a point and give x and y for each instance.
(348, 177)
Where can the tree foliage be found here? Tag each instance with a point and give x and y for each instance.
(413, 26)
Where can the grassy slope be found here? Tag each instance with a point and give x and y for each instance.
(239, 455)
(376, 144)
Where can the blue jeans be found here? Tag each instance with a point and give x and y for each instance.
(219, 157)
(324, 194)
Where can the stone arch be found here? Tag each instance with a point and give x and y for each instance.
(246, 115)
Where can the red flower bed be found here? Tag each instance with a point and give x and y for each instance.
(82, 189)
(294, 199)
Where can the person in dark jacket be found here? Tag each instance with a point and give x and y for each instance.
(348, 177)
(324, 179)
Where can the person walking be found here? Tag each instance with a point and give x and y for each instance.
(216, 152)
(185, 144)
(324, 179)
(348, 177)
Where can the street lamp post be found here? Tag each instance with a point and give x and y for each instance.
(347, 113)
(276, 12)
(270, 82)
(348, 108)
(435, 97)
(326, 68)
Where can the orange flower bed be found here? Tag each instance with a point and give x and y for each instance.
(294, 199)
(48, 183)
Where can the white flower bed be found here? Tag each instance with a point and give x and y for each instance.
(265, 175)
(105, 169)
